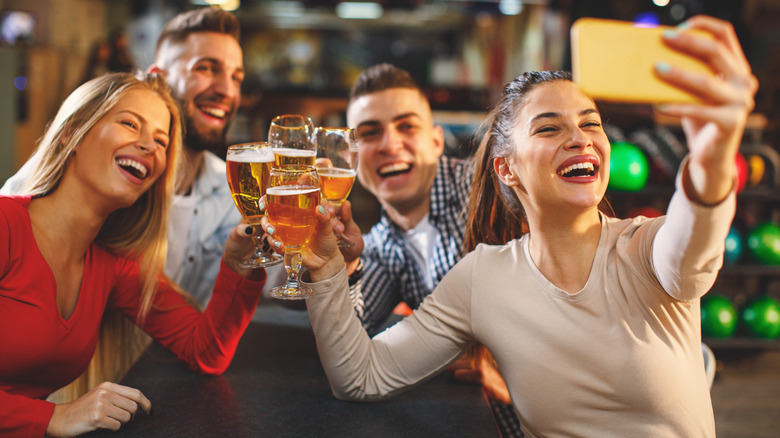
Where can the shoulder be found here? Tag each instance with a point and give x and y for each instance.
(14, 208)
(626, 229)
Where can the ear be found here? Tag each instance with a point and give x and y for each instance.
(501, 167)
(438, 140)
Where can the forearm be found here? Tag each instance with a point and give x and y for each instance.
(24, 416)
(688, 249)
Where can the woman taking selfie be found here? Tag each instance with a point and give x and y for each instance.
(84, 250)
(593, 321)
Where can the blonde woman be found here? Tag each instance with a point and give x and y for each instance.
(88, 240)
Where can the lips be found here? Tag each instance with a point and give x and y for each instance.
(134, 167)
(586, 166)
(394, 169)
(217, 113)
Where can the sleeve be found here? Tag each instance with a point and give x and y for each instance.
(406, 354)
(688, 248)
(205, 341)
(373, 292)
(22, 416)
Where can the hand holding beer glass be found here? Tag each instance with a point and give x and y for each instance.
(290, 138)
(336, 162)
(293, 195)
(248, 167)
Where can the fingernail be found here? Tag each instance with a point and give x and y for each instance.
(663, 67)
(270, 231)
(321, 209)
(278, 244)
(265, 247)
(684, 25)
(670, 34)
(261, 205)
(248, 230)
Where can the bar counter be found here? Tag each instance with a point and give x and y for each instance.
(276, 387)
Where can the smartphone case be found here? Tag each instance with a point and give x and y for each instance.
(613, 61)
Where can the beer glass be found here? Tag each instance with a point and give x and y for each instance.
(248, 170)
(336, 162)
(290, 138)
(293, 195)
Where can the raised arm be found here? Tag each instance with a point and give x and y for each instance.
(688, 248)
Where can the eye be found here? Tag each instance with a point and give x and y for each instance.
(592, 124)
(162, 142)
(546, 129)
(130, 123)
(368, 134)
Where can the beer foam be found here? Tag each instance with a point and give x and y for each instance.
(261, 155)
(290, 152)
(335, 172)
(290, 190)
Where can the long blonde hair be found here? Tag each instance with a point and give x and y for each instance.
(138, 232)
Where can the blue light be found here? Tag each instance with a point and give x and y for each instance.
(647, 19)
(20, 82)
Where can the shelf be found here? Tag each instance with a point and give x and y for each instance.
(751, 270)
(742, 343)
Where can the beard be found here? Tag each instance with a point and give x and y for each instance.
(214, 141)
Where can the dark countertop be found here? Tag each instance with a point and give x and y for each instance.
(275, 387)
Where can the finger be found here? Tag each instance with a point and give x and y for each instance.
(135, 395)
(723, 31)
(346, 211)
(262, 203)
(706, 87)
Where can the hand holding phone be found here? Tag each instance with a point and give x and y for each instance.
(614, 60)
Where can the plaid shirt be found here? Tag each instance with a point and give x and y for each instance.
(390, 274)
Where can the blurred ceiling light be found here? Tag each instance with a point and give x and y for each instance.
(510, 7)
(359, 10)
(661, 3)
(286, 9)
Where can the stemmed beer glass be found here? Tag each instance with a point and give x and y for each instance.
(337, 156)
(248, 170)
(293, 195)
(290, 138)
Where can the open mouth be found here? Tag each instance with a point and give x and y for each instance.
(394, 169)
(217, 113)
(579, 169)
(133, 167)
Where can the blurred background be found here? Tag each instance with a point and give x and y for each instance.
(301, 56)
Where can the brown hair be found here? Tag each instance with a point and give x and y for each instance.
(381, 77)
(199, 20)
(495, 215)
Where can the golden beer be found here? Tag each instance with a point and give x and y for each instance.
(247, 175)
(291, 210)
(336, 183)
(288, 156)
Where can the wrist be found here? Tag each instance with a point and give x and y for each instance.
(328, 270)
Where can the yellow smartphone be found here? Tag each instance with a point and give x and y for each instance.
(613, 61)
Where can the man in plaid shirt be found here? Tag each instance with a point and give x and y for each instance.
(423, 195)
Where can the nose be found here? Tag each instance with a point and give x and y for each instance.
(579, 139)
(225, 86)
(391, 141)
(146, 142)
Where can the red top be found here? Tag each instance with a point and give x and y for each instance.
(40, 351)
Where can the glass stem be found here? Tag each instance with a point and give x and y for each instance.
(292, 262)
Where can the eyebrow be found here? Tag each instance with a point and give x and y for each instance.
(394, 119)
(143, 119)
(218, 62)
(553, 115)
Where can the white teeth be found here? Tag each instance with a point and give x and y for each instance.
(390, 168)
(126, 162)
(587, 165)
(214, 112)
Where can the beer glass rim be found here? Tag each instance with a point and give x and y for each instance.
(304, 120)
(249, 145)
(293, 168)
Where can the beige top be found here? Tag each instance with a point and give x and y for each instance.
(622, 357)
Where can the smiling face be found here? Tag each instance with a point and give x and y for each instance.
(124, 153)
(399, 146)
(205, 73)
(560, 158)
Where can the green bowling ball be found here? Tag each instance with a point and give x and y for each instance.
(718, 317)
(764, 243)
(762, 318)
(628, 168)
